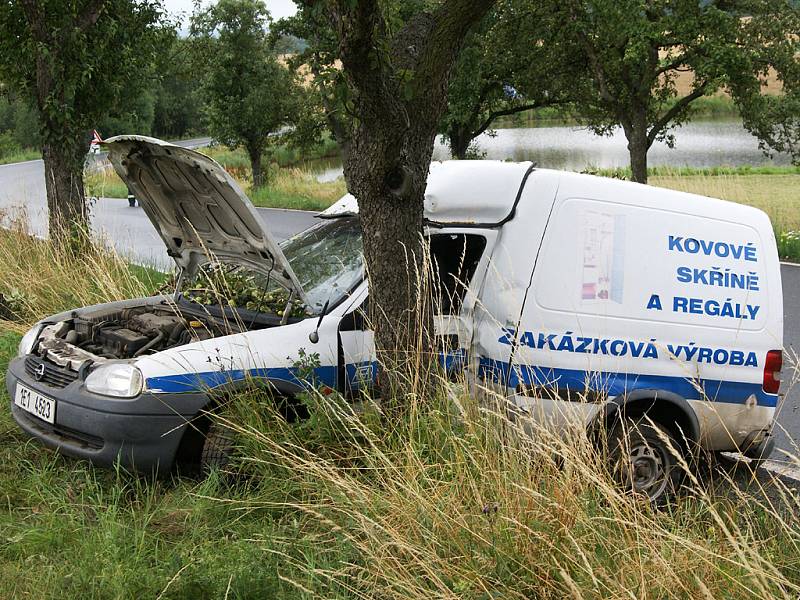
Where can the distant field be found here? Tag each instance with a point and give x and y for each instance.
(776, 195)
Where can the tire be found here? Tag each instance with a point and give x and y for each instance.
(758, 454)
(643, 459)
(218, 448)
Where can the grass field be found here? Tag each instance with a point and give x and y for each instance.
(454, 503)
(776, 194)
(20, 156)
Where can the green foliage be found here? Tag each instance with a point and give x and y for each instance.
(788, 244)
(77, 59)
(250, 95)
(500, 73)
(8, 145)
(234, 286)
(135, 118)
(18, 124)
(179, 109)
(330, 93)
(627, 55)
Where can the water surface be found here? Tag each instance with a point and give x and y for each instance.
(698, 144)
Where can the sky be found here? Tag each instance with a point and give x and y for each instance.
(278, 8)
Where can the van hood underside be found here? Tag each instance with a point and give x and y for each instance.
(197, 208)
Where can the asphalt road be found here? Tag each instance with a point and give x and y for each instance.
(788, 428)
(132, 234)
(22, 193)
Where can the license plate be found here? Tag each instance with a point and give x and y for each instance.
(36, 404)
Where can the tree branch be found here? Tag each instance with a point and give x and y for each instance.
(508, 111)
(449, 25)
(673, 112)
(90, 15)
(594, 60)
(674, 64)
(35, 15)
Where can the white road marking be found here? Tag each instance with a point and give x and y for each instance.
(776, 467)
(782, 469)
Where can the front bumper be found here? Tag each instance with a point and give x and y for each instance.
(141, 433)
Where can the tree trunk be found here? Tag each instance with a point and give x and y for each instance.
(638, 146)
(63, 175)
(391, 198)
(460, 139)
(386, 169)
(259, 176)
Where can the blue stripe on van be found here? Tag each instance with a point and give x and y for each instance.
(202, 382)
(614, 384)
(326, 375)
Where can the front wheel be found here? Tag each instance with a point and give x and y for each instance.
(643, 459)
(218, 448)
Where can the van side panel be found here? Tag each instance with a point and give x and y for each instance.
(638, 288)
(508, 274)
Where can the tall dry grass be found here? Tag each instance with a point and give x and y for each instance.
(777, 195)
(461, 502)
(40, 278)
(466, 497)
(457, 500)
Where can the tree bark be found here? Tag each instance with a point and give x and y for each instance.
(391, 197)
(460, 139)
(66, 202)
(386, 169)
(259, 176)
(638, 146)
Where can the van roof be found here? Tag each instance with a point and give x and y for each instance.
(485, 191)
(474, 191)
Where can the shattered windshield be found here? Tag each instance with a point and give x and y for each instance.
(327, 260)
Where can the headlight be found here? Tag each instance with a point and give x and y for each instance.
(29, 339)
(115, 379)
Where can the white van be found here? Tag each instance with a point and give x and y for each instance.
(578, 297)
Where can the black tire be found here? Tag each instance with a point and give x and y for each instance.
(218, 448)
(643, 459)
(758, 454)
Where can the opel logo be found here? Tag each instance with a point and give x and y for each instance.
(38, 373)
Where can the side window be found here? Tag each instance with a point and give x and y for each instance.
(455, 257)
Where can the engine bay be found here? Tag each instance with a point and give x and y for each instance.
(134, 332)
(223, 299)
(114, 333)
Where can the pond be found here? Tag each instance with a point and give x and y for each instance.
(698, 144)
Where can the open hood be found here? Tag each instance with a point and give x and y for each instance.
(197, 208)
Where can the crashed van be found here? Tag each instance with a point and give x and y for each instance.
(580, 299)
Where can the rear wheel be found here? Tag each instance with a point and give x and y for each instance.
(643, 459)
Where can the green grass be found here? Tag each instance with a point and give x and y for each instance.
(771, 189)
(455, 502)
(104, 183)
(72, 531)
(20, 156)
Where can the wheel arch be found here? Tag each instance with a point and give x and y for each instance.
(663, 407)
(190, 447)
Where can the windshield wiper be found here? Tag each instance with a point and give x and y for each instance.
(313, 337)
